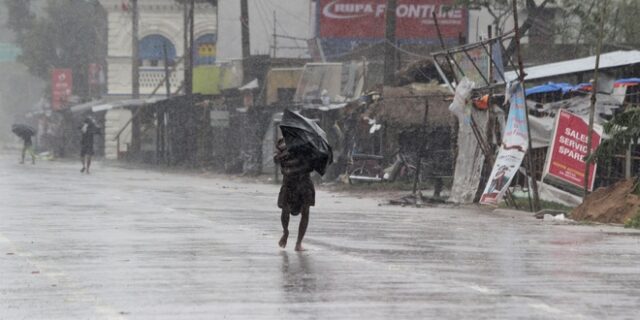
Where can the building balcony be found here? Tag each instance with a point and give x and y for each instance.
(151, 78)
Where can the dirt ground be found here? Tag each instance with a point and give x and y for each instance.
(614, 204)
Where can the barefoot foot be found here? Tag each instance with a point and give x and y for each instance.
(283, 241)
(299, 247)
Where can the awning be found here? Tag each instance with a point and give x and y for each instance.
(85, 106)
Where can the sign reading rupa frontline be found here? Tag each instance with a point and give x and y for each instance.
(565, 160)
(61, 88)
(364, 20)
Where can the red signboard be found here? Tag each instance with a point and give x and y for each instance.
(365, 19)
(61, 88)
(565, 161)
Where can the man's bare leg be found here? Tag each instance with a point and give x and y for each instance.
(24, 151)
(88, 163)
(302, 229)
(84, 166)
(33, 155)
(284, 218)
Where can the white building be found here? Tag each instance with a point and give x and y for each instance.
(160, 22)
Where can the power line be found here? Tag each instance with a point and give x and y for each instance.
(407, 51)
(294, 16)
(262, 18)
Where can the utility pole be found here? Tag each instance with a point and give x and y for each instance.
(275, 36)
(246, 44)
(390, 42)
(188, 81)
(534, 183)
(192, 21)
(135, 68)
(592, 108)
(185, 42)
(135, 77)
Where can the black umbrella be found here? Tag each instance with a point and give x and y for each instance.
(305, 139)
(23, 130)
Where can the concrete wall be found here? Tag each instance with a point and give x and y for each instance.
(114, 121)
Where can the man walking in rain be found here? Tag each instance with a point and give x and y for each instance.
(297, 193)
(88, 129)
(303, 149)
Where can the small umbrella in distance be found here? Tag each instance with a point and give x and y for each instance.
(23, 131)
(305, 139)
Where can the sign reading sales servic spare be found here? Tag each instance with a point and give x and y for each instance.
(365, 19)
(565, 159)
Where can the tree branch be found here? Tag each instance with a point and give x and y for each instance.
(526, 25)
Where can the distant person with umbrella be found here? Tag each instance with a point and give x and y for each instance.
(303, 149)
(89, 128)
(25, 133)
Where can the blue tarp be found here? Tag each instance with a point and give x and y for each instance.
(550, 87)
(627, 81)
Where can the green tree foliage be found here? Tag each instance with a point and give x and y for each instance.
(70, 34)
(502, 11)
(20, 17)
(623, 131)
(581, 20)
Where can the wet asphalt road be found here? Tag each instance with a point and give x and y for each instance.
(135, 244)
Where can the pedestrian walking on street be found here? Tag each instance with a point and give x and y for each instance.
(303, 149)
(88, 129)
(297, 193)
(25, 133)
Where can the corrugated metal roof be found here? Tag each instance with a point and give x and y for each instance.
(125, 103)
(607, 60)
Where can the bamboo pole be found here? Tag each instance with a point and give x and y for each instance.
(534, 183)
(594, 92)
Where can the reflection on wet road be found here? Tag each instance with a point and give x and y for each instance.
(136, 244)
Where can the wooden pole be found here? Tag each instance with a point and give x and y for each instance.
(167, 81)
(521, 76)
(594, 92)
(275, 36)
(390, 38)
(185, 42)
(246, 42)
(189, 81)
(135, 70)
(135, 76)
(423, 144)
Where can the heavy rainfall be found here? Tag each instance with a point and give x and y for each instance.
(319, 159)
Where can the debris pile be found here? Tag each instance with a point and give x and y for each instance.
(613, 204)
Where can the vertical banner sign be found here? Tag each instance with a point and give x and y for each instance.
(514, 146)
(61, 88)
(565, 163)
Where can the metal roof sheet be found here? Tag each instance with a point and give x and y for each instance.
(607, 60)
